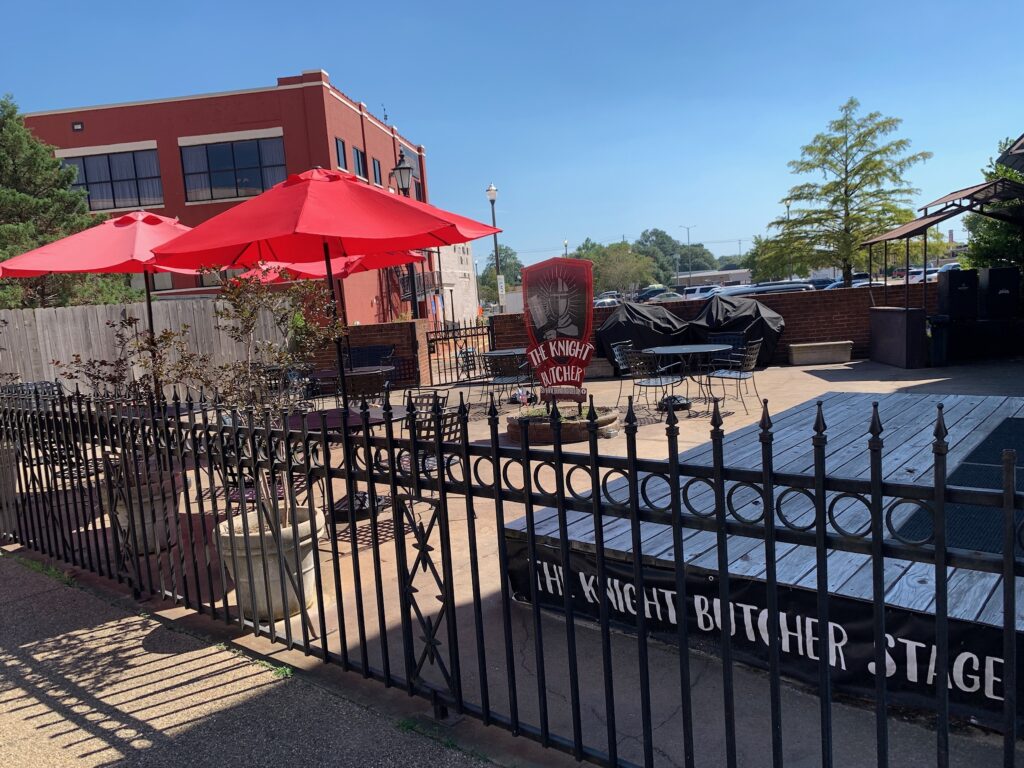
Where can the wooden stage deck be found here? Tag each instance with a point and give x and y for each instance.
(908, 421)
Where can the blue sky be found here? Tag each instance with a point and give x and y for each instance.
(594, 119)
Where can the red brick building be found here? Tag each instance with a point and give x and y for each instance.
(194, 156)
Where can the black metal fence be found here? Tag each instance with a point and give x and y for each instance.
(456, 569)
(455, 352)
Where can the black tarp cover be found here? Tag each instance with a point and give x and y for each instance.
(740, 314)
(646, 325)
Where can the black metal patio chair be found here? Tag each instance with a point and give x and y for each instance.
(647, 373)
(622, 371)
(739, 368)
(505, 373)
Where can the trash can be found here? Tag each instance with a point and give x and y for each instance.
(938, 340)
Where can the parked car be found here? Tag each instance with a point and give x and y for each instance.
(916, 275)
(820, 283)
(867, 284)
(757, 289)
(650, 291)
(606, 302)
(610, 295)
(665, 296)
(951, 267)
(700, 291)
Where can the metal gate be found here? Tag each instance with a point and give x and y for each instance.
(454, 351)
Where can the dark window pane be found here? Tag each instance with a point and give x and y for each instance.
(272, 176)
(126, 194)
(197, 187)
(376, 171)
(414, 161)
(79, 166)
(419, 190)
(339, 148)
(96, 168)
(193, 159)
(271, 151)
(101, 196)
(220, 157)
(248, 181)
(359, 162)
(146, 164)
(151, 192)
(247, 154)
(122, 166)
(223, 183)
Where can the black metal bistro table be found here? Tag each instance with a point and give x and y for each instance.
(335, 421)
(684, 353)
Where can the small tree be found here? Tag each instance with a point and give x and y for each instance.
(993, 242)
(37, 206)
(511, 270)
(302, 313)
(862, 190)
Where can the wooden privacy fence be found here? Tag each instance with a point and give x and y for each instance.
(31, 339)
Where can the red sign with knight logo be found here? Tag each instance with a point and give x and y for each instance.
(558, 297)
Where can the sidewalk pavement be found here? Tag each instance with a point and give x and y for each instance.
(85, 682)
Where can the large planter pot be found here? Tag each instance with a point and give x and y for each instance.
(267, 558)
(573, 431)
(151, 523)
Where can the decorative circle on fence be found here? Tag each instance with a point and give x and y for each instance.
(686, 496)
(757, 501)
(538, 484)
(505, 476)
(487, 462)
(832, 518)
(608, 493)
(667, 493)
(782, 515)
(919, 504)
(588, 485)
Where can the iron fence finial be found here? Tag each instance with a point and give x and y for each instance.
(766, 419)
(875, 430)
(940, 424)
(630, 413)
(716, 416)
(591, 411)
(819, 420)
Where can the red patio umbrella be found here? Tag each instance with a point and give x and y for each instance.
(318, 214)
(341, 267)
(123, 245)
(313, 215)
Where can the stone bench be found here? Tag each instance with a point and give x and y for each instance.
(820, 353)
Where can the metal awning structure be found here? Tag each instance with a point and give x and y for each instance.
(1013, 157)
(912, 228)
(998, 199)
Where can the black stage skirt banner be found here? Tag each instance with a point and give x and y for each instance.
(975, 650)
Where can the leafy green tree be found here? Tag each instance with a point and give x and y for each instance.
(860, 189)
(993, 242)
(619, 267)
(511, 269)
(38, 206)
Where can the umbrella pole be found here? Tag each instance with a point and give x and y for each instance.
(152, 333)
(337, 339)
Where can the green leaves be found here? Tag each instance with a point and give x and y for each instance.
(856, 190)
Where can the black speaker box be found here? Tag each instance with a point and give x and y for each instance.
(958, 294)
(999, 293)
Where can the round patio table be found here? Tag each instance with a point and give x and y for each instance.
(683, 352)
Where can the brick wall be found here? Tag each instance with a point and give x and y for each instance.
(838, 315)
(409, 338)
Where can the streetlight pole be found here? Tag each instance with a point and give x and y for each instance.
(565, 245)
(689, 253)
(788, 202)
(492, 195)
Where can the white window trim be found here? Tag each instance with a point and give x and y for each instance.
(216, 138)
(220, 200)
(106, 149)
(130, 208)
